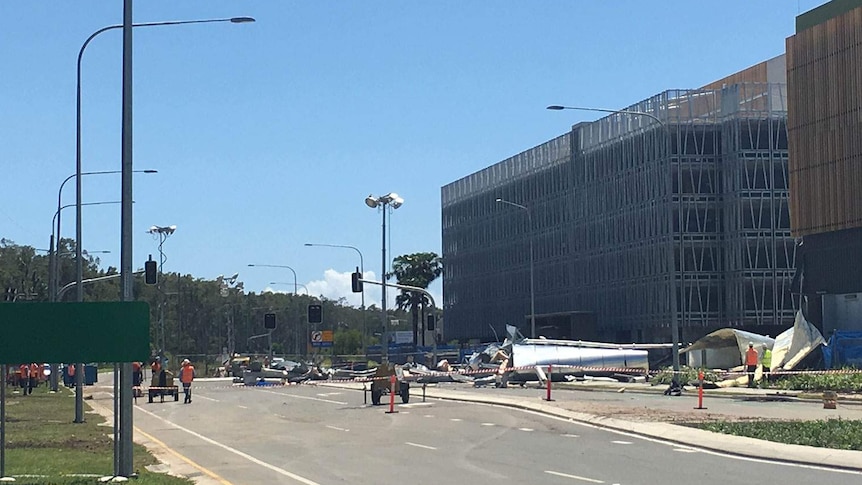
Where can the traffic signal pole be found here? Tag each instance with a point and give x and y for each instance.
(401, 287)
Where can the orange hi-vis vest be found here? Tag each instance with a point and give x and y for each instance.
(751, 356)
(187, 373)
(34, 370)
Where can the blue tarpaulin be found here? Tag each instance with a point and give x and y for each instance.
(844, 349)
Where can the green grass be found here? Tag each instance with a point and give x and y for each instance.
(44, 446)
(841, 434)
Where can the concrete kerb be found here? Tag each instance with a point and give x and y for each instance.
(678, 434)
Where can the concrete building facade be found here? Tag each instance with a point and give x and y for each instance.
(634, 223)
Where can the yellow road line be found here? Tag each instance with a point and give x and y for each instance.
(170, 450)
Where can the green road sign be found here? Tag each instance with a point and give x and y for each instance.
(115, 331)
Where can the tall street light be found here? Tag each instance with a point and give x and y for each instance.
(163, 232)
(123, 458)
(394, 201)
(295, 284)
(532, 280)
(674, 323)
(361, 270)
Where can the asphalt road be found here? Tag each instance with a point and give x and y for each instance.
(320, 435)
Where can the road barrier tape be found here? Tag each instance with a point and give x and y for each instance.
(489, 372)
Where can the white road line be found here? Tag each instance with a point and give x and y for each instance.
(416, 404)
(621, 442)
(304, 397)
(488, 424)
(567, 435)
(417, 445)
(573, 477)
(671, 443)
(198, 396)
(327, 394)
(336, 428)
(685, 450)
(429, 415)
(243, 407)
(456, 420)
(525, 429)
(280, 471)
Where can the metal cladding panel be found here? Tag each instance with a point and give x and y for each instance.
(531, 355)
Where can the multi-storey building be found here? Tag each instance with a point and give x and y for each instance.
(635, 221)
(824, 74)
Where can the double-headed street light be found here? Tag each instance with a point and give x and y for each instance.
(123, 425)
(532, 279)
(674, 323)
(394, 201)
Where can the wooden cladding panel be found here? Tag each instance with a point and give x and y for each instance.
(824, 77)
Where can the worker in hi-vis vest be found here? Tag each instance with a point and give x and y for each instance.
(751, 360)
(187, 375)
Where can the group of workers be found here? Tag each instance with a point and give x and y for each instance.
(27, 377)
(752, 359)
(187, 375)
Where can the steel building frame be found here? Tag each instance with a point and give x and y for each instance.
(634, 221)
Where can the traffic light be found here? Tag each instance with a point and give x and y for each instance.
(430, 320)
(356, 281)
(315, 313)
(269, 321)
(151, 272)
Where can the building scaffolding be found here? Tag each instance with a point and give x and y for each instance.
(635, 222)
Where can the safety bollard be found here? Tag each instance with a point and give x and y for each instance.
(423, 391)
(700, 391)
(391, 395)
(549, 383)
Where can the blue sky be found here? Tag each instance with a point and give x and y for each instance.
(270, 135)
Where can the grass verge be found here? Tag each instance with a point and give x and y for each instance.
(841, 434)
(45, 447)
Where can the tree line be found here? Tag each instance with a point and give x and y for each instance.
(197, 316)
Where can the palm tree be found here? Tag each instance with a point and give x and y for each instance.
(417, 269)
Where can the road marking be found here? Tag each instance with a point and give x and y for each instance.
(243, 407)
(456, 420)
(241, 454)
(198, 396)
(621, 442)
(488, 424)
(304, 397)
(429, 415)
(685, 450)
(416, 404)
(570, 435)
(573, 477)
(671, 443)
(336, 428)
(525, 429)
(417, 445)
(181, 457)
(327, 394)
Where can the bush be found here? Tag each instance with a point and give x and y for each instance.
(830, 433)
(847, 382)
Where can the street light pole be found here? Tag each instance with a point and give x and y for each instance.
(123, 452)
(362, 270)
(395, 201)
(532, 264)
(674, 322)
(163, 232)
(295, 284)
